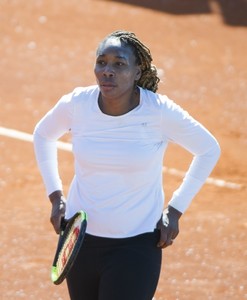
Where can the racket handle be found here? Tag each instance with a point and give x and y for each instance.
(63, 224)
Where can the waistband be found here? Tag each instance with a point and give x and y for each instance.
(148, 238)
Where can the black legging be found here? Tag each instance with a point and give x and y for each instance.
(116, 269)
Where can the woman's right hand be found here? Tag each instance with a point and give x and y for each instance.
(58, 209)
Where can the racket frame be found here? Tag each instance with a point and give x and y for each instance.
(66, 225)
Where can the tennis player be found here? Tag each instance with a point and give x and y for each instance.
(120, 130)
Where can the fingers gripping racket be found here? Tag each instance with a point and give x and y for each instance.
(69, 243)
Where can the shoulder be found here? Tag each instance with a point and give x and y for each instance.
(171, 113)
(88, 90)
(82, 93)
(72, 101)
(158, 101)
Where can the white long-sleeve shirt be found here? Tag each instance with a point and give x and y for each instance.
(119, 159)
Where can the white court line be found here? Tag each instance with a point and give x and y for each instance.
(23, 136)
(12, 133)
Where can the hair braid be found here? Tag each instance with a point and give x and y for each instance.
(149, 78)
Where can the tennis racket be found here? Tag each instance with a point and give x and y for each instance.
(70, 240)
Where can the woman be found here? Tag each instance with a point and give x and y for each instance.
(120, 130)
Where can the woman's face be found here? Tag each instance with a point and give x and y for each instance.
(115, 69)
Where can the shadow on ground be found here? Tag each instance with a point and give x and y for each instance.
(234, 12)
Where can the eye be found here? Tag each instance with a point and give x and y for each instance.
(120, 63)
(100, 62)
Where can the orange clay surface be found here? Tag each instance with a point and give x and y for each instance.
(47, 48)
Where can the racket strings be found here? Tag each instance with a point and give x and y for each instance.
(69, 244)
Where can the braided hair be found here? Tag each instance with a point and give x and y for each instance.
(149, 79)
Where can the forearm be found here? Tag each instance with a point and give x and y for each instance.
(173, 211)
(200, 169)
(56, 196)
(46, 156)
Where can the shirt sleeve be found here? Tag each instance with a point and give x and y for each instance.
(180, 128)
(46, 133)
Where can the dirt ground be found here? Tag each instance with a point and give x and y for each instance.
(47, 48)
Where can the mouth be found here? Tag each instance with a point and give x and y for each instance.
(107, 84)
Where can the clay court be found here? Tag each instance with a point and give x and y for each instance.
(47, 48)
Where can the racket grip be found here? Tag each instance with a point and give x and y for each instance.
(63, 224)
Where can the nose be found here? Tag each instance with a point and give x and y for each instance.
(108, 71)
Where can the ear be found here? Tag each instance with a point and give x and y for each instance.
(138, 73)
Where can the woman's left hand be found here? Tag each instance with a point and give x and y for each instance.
(168, 226)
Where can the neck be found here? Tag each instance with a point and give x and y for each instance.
(118, 107)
